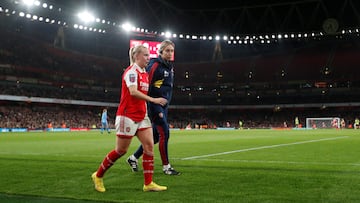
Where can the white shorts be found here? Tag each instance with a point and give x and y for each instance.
(126, 127)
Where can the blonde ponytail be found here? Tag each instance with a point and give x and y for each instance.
(131, 56)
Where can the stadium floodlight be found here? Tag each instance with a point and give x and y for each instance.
(44, 5)
(217, 38)
(28, 2)
(167, 34)
(127, 26)
(86, 16)
(21, 14)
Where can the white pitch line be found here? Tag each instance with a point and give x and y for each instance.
(283, 162)
(263, 147)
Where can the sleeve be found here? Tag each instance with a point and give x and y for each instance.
(131, 78)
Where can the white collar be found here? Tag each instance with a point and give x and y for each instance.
(141, 70)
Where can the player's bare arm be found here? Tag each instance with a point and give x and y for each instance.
(136, 93)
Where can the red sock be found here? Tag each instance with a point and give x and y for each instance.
(108, 161)
(148, 166)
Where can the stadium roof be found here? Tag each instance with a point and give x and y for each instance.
(227, 16)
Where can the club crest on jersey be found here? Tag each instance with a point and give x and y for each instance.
(132, 77)
(127, 129)
(166, 74)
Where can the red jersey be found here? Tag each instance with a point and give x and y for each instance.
(130, 106)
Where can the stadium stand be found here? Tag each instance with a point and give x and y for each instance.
(246, 83)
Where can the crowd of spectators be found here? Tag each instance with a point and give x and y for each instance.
(256, 118)
(39, 116)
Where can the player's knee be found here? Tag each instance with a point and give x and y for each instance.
(121, 151)
(149, 153)
(148, 147)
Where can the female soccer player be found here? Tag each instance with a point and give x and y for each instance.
(131, 119)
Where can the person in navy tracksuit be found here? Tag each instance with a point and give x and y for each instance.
(161, 77)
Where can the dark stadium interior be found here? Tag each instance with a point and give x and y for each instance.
(264, 84)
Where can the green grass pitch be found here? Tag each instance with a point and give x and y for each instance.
(217, 166)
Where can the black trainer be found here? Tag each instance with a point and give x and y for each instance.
(133, 164)
(171, 171)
